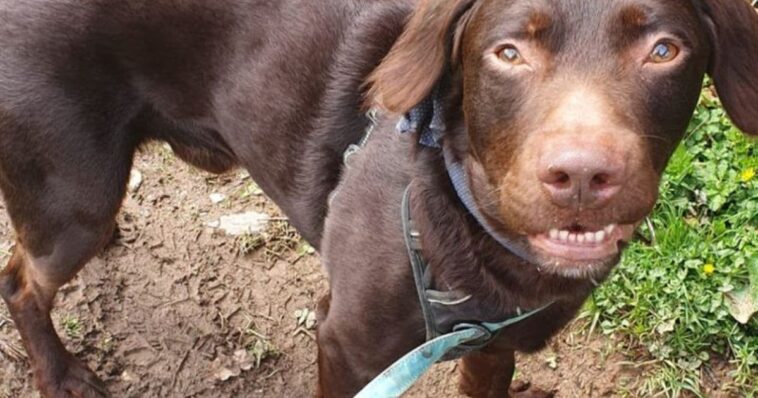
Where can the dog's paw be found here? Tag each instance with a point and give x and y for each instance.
(523, 389)
(76, 381)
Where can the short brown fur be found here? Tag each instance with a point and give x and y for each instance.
(279, 88)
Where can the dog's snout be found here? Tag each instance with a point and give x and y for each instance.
(580, 175)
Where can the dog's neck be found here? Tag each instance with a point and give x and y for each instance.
(462, 255)
(429, 120)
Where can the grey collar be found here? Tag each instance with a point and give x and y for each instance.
(427, 120)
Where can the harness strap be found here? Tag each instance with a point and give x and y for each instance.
(418, 265)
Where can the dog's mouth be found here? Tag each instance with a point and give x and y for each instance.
(579, 244)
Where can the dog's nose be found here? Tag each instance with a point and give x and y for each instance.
(580, 177)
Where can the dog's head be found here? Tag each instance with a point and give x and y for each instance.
(566, 112)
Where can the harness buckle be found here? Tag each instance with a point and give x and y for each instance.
(484, 335)
(373, 117)
(351, 150)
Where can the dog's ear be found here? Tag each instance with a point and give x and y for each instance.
(421, 55)
(734, 63)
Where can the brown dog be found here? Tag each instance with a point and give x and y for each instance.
(563, 113)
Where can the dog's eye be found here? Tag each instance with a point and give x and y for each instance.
(664, 52)
(511, 55)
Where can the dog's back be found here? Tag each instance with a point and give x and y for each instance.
(225, 83)
(274, 86)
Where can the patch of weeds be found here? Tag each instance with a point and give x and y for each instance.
(276, 241)
(260, 347)
(5, 254)
(105, 344)
(165, 152)
(249, 243)
(283, 238)
(672, 299)
(5, 391)
(305, 249)
(249, 190)
(72, 326)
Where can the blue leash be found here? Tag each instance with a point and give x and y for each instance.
(401, 376)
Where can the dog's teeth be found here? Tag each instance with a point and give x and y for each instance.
(600, 236)
(582, 238)
(590, 237)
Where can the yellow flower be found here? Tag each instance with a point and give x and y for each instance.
(748, 175)
(709, 269)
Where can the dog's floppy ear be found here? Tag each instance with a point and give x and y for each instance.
(421, 55)
(734, 64)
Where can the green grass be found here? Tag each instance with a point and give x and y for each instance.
(669, 301)
(72, 326)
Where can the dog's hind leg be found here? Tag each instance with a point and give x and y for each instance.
(62, 191)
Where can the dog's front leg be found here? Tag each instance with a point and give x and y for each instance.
(58, 373)
(489, 375)
(485, 375)
(338, 376)
(353, 350)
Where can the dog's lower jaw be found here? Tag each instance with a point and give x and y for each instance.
(594, 272)
(590, 270)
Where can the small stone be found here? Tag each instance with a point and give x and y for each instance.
(225, 374)
(552, 362)
(310, 321)
(129, 377)
(742, 304)
(135, 180)
(244, 360)
(217, 198)
(251, 223)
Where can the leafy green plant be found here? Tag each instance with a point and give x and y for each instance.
(678, 299)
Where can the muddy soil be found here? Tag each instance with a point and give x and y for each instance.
(172, 308)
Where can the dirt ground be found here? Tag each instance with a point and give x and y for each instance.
(173, 308)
